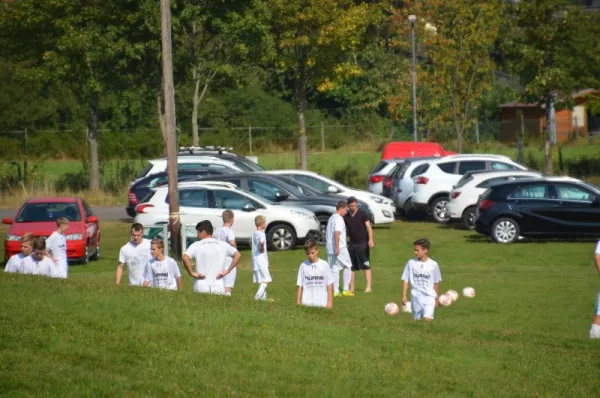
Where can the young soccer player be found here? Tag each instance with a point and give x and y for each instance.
(315, 280)
(260, 260)
(15, 263)
(337, 250)
(423, 275)
(162, 271)
(595, 329)
(225, 234)
(57, 247)
(38, 263)
(136, 254)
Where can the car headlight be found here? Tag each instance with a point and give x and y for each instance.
(376, 199)
(74, 237)
(306, 216)
(12, 238)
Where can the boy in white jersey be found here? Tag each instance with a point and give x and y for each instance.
(56, 245)
(38, 263)
(210, 254)
(136, 254)
(315, 280)
(15, 263)
(225, 234)
(423, 275)
(337, 250)
(162, 271)
(595, 329)
(260, 259)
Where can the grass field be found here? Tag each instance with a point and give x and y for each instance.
(524, 334)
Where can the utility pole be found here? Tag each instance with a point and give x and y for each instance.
(413, 19)
(171, 137)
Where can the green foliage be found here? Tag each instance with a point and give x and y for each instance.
(114, 177)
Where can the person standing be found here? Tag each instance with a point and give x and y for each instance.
(225, 234)
(162, 271)
(136, 254)
(360, 232)
(315, 280)
(56, 244)
(595, 329)
(337, 252)
(260, 258)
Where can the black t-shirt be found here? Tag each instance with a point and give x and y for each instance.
(356, 228)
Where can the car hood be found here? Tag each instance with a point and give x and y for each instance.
(41, 228)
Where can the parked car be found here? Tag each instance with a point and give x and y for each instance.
(403, 186)
(286, 225)
(462, 204)
(412, 149)
(432, 188)
(38, 216)
(380, 178)
(225, 153)
(560, 207)
(144, 186)
(383, 209)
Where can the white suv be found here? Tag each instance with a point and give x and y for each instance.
(433, 186)
(206, 200)
(463, 198)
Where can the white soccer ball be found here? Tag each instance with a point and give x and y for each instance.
(407, 307)
(445, 300)
(453, 295)
(469, 292)
(392, 308)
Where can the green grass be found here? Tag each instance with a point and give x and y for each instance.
(524, 334)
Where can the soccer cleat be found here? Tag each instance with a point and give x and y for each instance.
(347, 293)
(337, 295)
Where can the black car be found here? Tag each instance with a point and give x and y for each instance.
(223, 153)
(145, 186)
(560, 207)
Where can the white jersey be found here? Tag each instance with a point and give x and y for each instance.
(225, 234)
(422, 276)
(15, 264)
(335, 223)
(136, 257)
(259, 260)
(44, 267)
(56, 244)
(314, 278)
(210, 255)
(162, 274)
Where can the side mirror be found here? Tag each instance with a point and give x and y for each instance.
(595, 203)
(281, 196)
(8, 221)
(248, 207)
(332, 189)
(92, 219)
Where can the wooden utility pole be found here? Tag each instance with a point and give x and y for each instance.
(171, 138)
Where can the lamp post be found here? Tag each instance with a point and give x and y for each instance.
(412, 19)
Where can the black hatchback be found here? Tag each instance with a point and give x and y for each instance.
(557, 207)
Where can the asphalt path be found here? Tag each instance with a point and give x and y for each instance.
(104, 213)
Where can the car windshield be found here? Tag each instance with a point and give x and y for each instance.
(293, 186)
(49, 211)
(247, 164)
(257, 198)
(590, 185)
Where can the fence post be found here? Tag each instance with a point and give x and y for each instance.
(250, 138)
(25, 162)
(521, 134)
(477, 131)
(322, 137)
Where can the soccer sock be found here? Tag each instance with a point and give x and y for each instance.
(595, 331)
(261, 294)
(336, 282)
(228, 293)
(347, 279)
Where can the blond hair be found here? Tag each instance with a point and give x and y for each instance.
(159, 243)
(27, 237)
(61, 221)
(227, 216)
(260, 220)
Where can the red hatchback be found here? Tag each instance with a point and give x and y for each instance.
(38, 216)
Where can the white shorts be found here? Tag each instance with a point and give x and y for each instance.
(261, 274)
(597, 311)
(422, 307)
(210, 287)
(338, 263)
(229, 279)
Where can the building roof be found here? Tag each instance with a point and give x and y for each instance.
(577, 94)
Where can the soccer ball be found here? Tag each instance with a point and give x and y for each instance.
(453, 295)
(392, 308)
(445, 300)
(469, 292)
(407, 307)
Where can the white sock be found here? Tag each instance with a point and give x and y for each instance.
(336, 282)
(261, 294)
(595, 331)
(347, 279)
(228, 293)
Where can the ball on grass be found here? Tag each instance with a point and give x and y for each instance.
(468, 292)
(445, 300)
(453, 295)
(391, 308)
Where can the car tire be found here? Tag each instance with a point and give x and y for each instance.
(468, 217)
(411, 213)
(281, 237)
(86, 257)
(96, 255)
(505, 230)
(323, 220)
(439, 211)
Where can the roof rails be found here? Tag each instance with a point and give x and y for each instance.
(466, 155)
(473, 172)
(191, 149)
(223, 184)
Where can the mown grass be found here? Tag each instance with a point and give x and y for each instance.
(524, 334)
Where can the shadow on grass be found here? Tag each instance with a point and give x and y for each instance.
(478, 238)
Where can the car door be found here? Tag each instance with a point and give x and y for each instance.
(471, 165)
(535, 207)
(265, 189)
(243, 226)
(92, 228)
(194, 206)
(316, 183)
(579, 211)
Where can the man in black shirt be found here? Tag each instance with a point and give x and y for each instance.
(358, 227)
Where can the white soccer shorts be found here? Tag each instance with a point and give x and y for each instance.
(209, 287)
(422, 307)
(261, 275)
(229, 279)
(338, 263)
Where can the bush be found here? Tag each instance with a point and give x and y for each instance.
(350, 176)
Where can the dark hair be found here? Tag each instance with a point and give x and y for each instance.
(205, 226)
(309, 244)
(423, 242)
(352, 199)
(39, 243)
(137, 227)
(341, 204)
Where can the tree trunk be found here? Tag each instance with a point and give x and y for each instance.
(548, 144)
(195, 104)
(301, 106)
(92, 137)
(459, 142)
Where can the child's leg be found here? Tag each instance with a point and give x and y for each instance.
(261, 294)
(347, 279)
(595, 329)
(336, 280)
(428, 304)
(417, 309)
(264, 279)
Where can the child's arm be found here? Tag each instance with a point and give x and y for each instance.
(436, 287)
(598, 262)
(146, 283)
(261, 246)
(179, 283)
(330, 295)
(337, 242)
(404, 291)
(299, 295)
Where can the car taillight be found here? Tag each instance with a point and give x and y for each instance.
(140, 208)
(486, 204)
(454, 195)
(132, 198)
(387, 182)
(421, 180)
(376, 179)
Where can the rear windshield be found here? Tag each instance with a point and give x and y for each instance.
(380, 166)
(419, 170)
(144, 171)
(246, 164)
(463, 181)
(48, 211)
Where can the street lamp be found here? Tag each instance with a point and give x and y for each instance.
(412, 19)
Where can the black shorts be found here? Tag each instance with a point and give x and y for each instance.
(360, 257)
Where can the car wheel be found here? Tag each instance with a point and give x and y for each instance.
(86, 257)
(281, 237)
(468, 217)
(505, 230)
(96, 255)
(439, 211)
(323, 220)
(410, 212)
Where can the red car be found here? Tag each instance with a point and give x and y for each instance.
(38, 216)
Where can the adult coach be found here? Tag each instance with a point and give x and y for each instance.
(210, 255)
(360, 232)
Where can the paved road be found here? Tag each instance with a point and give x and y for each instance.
(105, 213)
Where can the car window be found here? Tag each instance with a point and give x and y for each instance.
(193, 198)
(471, 165)
(573, 192)
(263, 188)
(464, 180)
(537, 191)
(380, 166)
(400, 170)
(421, 169)
(448, 167)
(502, 166)
(157, 181)
(144, 171)
(232, 200)
(490, 181)
(313, 182)
(40, 212)
(87, 209)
